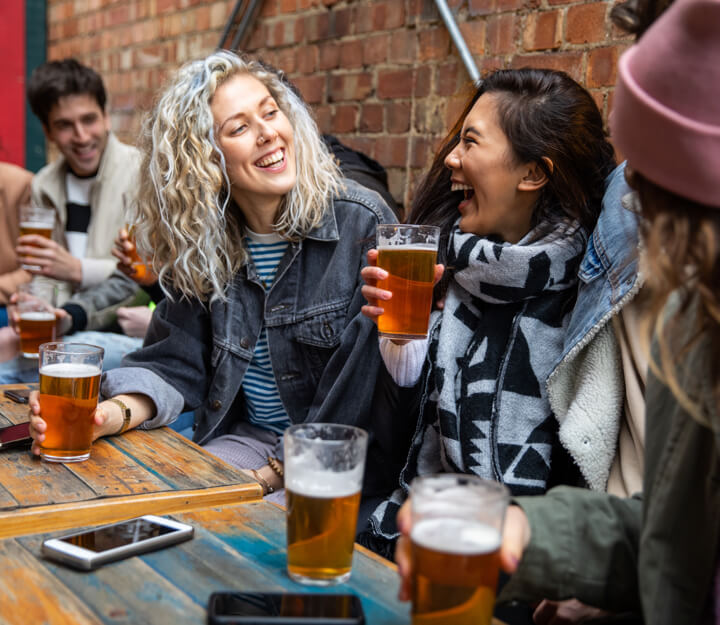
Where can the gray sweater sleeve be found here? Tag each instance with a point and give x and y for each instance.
(168, 402)
(584, 544)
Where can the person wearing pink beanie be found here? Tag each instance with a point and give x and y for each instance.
(652, 558)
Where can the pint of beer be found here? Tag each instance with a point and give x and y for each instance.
(456, 536)
(138, 264)
(408, 253)
(37, 316)
(69, 386)
(324, 466)
(36, 220)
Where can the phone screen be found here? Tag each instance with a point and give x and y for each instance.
(287, 605)
(118, 535)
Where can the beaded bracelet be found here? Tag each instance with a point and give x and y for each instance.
(276, 466)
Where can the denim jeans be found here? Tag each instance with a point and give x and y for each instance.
(22, 370)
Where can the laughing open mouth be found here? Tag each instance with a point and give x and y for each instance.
(467, 190)
(272, 160)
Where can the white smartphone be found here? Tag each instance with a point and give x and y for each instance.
(108, 543)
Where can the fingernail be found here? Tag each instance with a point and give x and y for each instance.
(382, 274)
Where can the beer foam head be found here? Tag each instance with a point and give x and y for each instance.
(399, 247)
(323, 483)
(70, 370)
(37, 225)
(459, 536)
(37, 315)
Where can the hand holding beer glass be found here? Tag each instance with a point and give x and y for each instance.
(69, 386)
(406, 254)
(129, 260)
(36, 220)
(456, 535)
(36, 322)
(324, 466)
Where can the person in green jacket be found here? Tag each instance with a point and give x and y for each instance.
(655, 555)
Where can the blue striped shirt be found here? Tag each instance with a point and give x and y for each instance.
(264, 406)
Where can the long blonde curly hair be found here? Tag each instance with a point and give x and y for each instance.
(183, 217)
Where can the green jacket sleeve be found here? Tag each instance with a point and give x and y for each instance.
(584, 544)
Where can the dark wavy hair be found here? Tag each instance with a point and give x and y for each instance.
(544, 114)
(636, 16)
(55, 79)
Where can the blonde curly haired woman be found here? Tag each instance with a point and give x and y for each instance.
(258, 243)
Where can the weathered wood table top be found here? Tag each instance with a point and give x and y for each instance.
(141, 472)
(239, 547)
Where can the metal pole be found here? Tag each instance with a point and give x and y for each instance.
(458, 40)
(229, 24)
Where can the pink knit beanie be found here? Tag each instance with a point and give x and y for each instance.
(666, 114)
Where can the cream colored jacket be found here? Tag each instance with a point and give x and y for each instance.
(116, 182)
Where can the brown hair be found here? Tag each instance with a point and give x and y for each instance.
(682, 240)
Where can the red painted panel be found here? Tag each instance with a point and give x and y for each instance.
(12, 79)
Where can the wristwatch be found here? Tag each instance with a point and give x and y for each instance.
(125, 413)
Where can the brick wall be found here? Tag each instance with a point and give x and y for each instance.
(383, 75)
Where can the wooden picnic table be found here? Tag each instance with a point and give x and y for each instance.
(238, 548)
(140, 472)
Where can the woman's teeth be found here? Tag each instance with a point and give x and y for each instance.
(273, 158)
(459, 186)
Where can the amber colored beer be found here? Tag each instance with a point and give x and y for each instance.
(36, 328)
(68, 398)
(411, 276)
(31, 227)
(136, 263)
(455, 571)
(320, 534)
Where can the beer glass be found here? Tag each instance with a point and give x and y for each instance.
(324, 466)
(408, 253)
(36, 220)
(35, 306)
(138, 264)
(69, 385)
(455, 536)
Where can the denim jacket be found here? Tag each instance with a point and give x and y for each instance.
(324, 353)
(586, 387)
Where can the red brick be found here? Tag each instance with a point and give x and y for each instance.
(329, 56)
(351, 54)
(349, 87)
(421, 153)
(599, 98)
(542, 31)
(299, 33)
(481, 7)
(501, 34)
(323, 118)
(371, 118)
(375, 49)
(395, 83)
(307, 59)
(398, 116)
(446, 77)
(361, 144)
(474, 35)
(569, 62)
(311, 87)
(363, 18)
(586, 23)
(601, 67)
(455, 108)
(345, 119)
(403, 47)
(201, 18)
(269, 8)
(433, 44)
(388, 15)
(340, 24)
(165, 5)
(317, 26)
(391, 151)
(288, 6)
(513, 5)
(421, 87)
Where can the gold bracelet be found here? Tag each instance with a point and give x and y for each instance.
(263, 482)
(126, 415)
(276, 466)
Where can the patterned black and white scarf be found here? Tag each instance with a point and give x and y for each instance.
(485, 408)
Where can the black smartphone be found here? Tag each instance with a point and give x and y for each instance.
(89, 550)
(19, 395)
(260, 608)
(14, 436)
